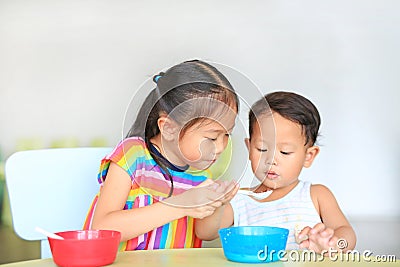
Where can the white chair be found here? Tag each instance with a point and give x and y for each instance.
(51, 189)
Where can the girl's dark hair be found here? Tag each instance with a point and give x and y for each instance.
(177, 90)
(291, 106)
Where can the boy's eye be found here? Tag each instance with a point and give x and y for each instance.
(286, 153)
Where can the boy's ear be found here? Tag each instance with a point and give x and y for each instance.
(168, 127)
(311, 153)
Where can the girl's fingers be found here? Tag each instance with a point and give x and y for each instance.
(216, 204)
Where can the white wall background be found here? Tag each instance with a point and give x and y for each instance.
(69, 68)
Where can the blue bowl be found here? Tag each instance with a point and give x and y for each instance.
(253, 244)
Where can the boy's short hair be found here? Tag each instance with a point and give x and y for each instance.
(291, 106)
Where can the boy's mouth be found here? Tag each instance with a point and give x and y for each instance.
(272, 175)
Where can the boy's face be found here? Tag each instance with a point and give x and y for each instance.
(278, 153)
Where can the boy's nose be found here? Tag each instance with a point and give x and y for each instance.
(270, 161)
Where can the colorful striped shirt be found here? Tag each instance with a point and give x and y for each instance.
(150, 184)
(294, 211)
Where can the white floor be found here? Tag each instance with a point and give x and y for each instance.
(381, 237)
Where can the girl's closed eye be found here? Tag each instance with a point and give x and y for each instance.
(212, 138)
(286, 153)
(262, 149)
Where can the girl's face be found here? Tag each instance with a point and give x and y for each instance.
(277, 151)
(201, 144)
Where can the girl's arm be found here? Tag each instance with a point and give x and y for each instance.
(335, 230)
(109, 213)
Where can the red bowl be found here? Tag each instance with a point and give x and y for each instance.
(85, 247)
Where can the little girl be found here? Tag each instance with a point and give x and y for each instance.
(150, 182)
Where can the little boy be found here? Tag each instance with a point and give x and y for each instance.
(283, 129)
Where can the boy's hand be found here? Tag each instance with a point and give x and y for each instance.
(320, 238)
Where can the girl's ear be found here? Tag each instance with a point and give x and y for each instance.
(311, 153)
(168, 127)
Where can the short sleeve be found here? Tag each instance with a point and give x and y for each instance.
(127, 154)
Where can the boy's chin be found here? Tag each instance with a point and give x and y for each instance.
(270, 184)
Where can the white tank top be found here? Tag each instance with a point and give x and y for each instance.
(294, 211)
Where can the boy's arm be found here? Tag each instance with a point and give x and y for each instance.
(207, 228)
(334, 225)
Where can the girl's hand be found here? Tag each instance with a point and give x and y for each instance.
(201, 201)
(227, 189)
(320, 238)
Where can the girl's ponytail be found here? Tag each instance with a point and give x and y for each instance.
(144, 119)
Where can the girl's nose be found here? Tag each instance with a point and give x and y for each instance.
(220, 146)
